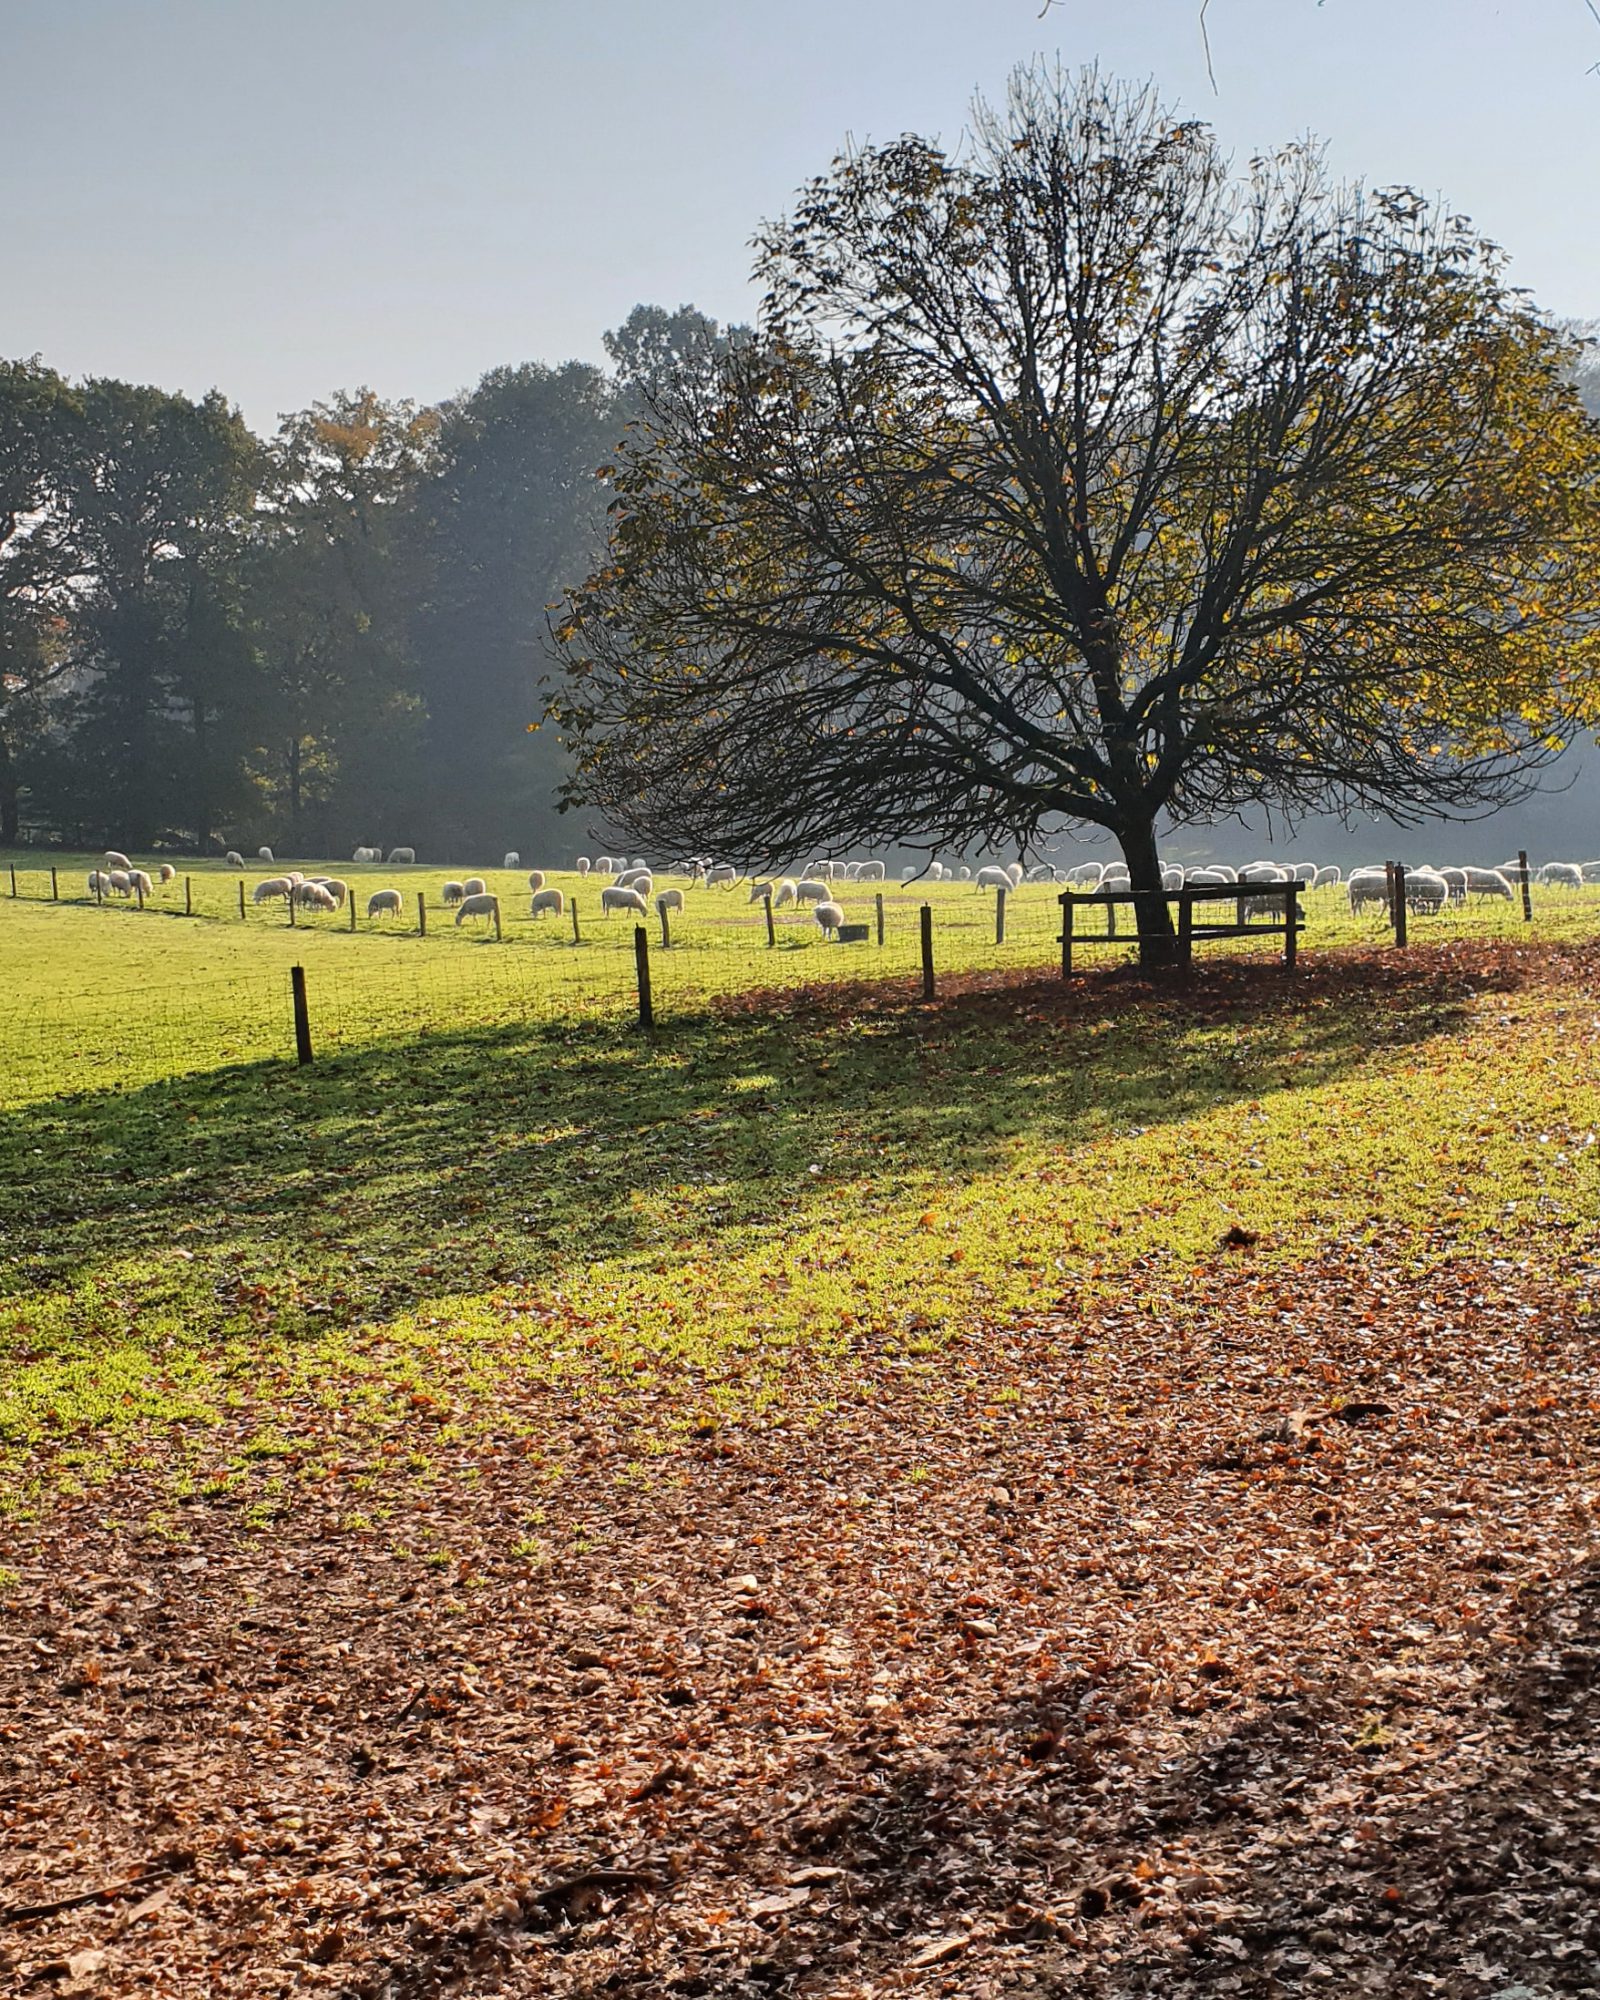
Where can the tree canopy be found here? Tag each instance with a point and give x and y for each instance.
(1075, 476)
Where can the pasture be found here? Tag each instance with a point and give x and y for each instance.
(837, 1495)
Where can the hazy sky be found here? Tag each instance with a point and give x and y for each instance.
(283, 197)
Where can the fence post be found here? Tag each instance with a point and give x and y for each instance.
(1066, 900)
(100, 894)
(302, 1014)
(1388, 889)
(499, 936)
(1111, 913)
(188, 895)
(1399, 903)
(927, 951)
(1291, 917)
(666, 935)
(1527, 893)
(350, 898)
(641, 963)
(55, 888)
(772, 928)
(878, 899)
(138, 887)
(290, 900)
(13, 881)
(241, 899)
(575, 937)
(1186, 927)
(422, 914)
(999, 916)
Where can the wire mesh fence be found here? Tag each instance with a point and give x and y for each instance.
(143, 995)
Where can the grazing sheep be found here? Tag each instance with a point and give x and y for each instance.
(1327, 878)
(233, 859)
(294, 878)
(963, 874)
(275, 889)
(1561, 875)
(312, 896)
(1590, 871)
(1171, 876)
(906, 874)
(1490, 882)
(722, 876)
(547, 903)
(1116, 876)
(121, 882)
(605, 864)
(787, 891)
(871, 871)
(363, 854)
(452, 892)
(474, 886)
(1367, 885)
(401, 854)
(852, 871)
(263, 853)
(512, 860)
(99, 882)
(1015, 872)
(167, 873)
(811, 890)
(385, 903)
(828, 917)
(1085, 875)
(113, 859)
(636, 878)
(1456, 882)
(337, 889)
(992, 878)
(479, 904)
(1427, 892)
(139, 882)
(622, 899)
(1203, 878)
(760, 889)
(582, 864)
(1039, 872)
(536, 880)
(669, 899)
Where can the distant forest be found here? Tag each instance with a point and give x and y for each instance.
(329, 637)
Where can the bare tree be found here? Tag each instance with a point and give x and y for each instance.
(1076, 477)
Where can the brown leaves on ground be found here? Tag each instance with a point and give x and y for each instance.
(1249, 1644)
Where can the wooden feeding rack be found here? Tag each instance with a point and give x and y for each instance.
(1194, 922)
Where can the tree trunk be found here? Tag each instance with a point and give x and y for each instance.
(10, 799)
(1158, 940)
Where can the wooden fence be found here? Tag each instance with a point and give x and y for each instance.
(1192, 922)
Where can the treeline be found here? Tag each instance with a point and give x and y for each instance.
(330, 636)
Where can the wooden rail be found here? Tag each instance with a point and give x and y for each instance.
(1189, 927)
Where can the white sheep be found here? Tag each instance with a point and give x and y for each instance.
(385, 903)
(1039, 872)
(721, 876)
(452, 892)
(121, 881)
(993, 878)
(828, 917)
(622, 899)
(113, 859)
(139, 882)
(1456, 883)
(1305, 872)
(312, 896)
(479, 904)
(474, 886)
(1591, 872)
(233, 858)
(1427, 891)
(512, 860)
(167, 873)
(294, 878)
(1203, 878)
(1171, 876)
(963, 874)
(99, 882)
(536, 880)
(906, 874)
(398, 855)
(1367, 885)
(1015, 872)
(669, 899)
(275, 889)
(605, 864)
(1490, 882)
(787, 891)
(871, 871)
(636, 878)
(1327, 878)
(1561, 875)
(811, 891)
(582, 864)
(263, 853)
(547, 903)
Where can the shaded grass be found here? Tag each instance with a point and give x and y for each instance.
(720, 1212)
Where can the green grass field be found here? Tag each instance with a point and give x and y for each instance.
(490, 1169)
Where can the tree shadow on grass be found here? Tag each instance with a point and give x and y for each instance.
(343, 1193)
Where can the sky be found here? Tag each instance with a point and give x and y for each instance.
(282, 198)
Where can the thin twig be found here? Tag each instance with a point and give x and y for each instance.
(1205, 43)
(23, 1913)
